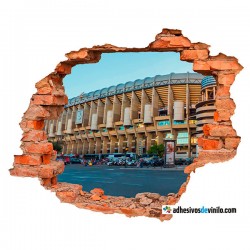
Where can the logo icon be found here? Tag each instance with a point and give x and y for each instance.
(166, 209)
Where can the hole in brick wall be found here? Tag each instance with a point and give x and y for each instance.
(217, 140)
(113, 147)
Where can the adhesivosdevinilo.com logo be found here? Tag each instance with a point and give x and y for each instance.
(168, 209)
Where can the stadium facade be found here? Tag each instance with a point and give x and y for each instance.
(136, 115)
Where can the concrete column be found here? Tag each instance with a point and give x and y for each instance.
(129, 144)
(104, 145)
(125, 104)
(116, 109)
(108, 106)
(144, 100)
(64, 149)
(100, 112)
(85, 147)
(135, 103)
(70, 148)
(74, 147)
(46, 126)
(155, 103)
(120, 147)
(91, 146)
(51, 128)
(79, 108)
(93, 110)
(170, 101)
(59, 126)
(79, 147)
(148, 141)
(86, 114)
(98, 145)
(112, 144)
(160, 137)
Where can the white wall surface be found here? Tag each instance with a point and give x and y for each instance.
(35, 35)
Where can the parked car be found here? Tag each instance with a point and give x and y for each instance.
(188, 161)
(75, 160)
(180, 161)
(66, 160)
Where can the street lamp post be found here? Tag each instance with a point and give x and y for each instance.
(126, 149)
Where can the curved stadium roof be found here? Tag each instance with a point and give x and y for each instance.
(148, 82)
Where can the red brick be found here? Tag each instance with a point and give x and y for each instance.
(223, 91)
(56, 78)
(225, 104)
(210, 144)
(54, 155)
(43, 83)
(52, 169)
(63, 68)
(218, 130)
(171, 200)
(168, 32)
(54, 180)
(171, 42)
(49, 81)
(83, 55)
(83, 193)
(104, 197)
(46, 159)
(201, 66)
(46, 172)
(51, 84)
(36, 112)
(226, 79)
(99, 208)
(97, 191)
(45, 91)
(223, 115)
(216, 155)
(182, 189)
(206, 129)
(200, 46)
(66, 196)
(37, 125)
(58, 167)
(191, 168)
(49, 100)
(232, 143)
(28, 159)
(128, 211)
(24, 171)
(95, 197)
(59, 92)
(37, 148)
(191, 55)
(224, 65)
(46, 182)
(165, 217)
(54, 111)
(34, 135)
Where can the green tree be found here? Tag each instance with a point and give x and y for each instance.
(157, 150)
(57, 146)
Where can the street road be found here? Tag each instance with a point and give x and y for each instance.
(120, 181)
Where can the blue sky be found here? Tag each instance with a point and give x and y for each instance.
(115, 68)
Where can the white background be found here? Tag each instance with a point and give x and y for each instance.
(35, 35)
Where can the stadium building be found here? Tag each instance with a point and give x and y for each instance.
(136, 115)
